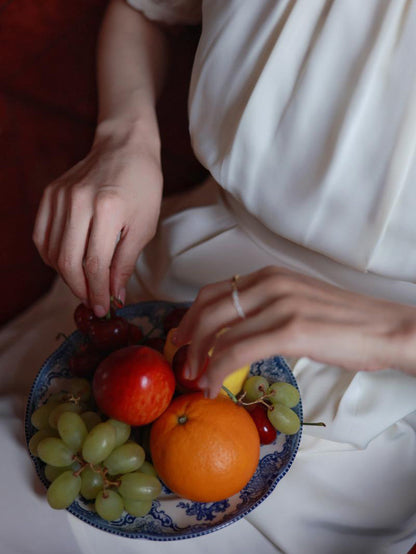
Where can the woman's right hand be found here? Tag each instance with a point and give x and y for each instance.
(94, 220)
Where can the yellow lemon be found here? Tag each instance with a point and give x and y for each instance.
(235, 381)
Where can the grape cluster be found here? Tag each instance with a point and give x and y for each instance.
(91, 457)
(271, 404)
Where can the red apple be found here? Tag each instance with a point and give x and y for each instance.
(134, 384)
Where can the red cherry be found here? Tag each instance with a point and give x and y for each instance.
(156, 343)
(267, 432)
(135, 335)
(178, 366)
(107, 335)
(83, 316)
(84, 362)
(173, 318)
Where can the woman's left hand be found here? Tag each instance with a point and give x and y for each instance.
(290, 314)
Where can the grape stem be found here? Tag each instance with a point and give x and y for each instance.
(260, 400)
(71, 397)
(106, 482)
(263, 400)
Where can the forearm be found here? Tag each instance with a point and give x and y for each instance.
(132, 57)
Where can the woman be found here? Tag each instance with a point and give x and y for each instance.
(304, 114)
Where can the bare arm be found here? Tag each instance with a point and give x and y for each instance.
(132, 58)
(94, 220)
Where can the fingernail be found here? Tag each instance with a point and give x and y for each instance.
(187, 372)
(122, 295)
(99, 311)
(203, 382)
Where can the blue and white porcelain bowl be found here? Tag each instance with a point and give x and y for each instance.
(172, 517)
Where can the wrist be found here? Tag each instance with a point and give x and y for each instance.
(135, 128)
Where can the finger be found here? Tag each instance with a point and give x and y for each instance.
(249, 343)
(56, 227)
(216, 291)
(215, 311)
(101, 245)
(319, 338)
(207, 295)
(124, 261)
(43, 223)
(74, 244)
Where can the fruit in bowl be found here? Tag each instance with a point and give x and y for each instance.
(150, 323)
(134, 384)
(205, 449)
(177, 356)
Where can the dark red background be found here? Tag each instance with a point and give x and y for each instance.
(47, 116)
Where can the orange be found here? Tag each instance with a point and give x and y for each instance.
(204, 449)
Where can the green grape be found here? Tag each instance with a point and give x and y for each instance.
(99, 443)
(60, 409)
(72, 430)
(40, 417)
(147, 468)
(284, 393)
(91, 419)
(91, 483)
(57, 398)
(52, 472)
(55, 452)
(283, 419)
(38, 436)
(64, 490)
(139, 486)
(122, 431)
(79, 387)
(255, 387)
(109, 505)
(125, 458)
(137, 508)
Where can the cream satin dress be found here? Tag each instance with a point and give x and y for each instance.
(305, 115)
(304, 112)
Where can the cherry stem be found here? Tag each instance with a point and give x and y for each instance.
(147, 335)
(116, 302)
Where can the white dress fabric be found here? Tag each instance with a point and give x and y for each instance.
(304, 113)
